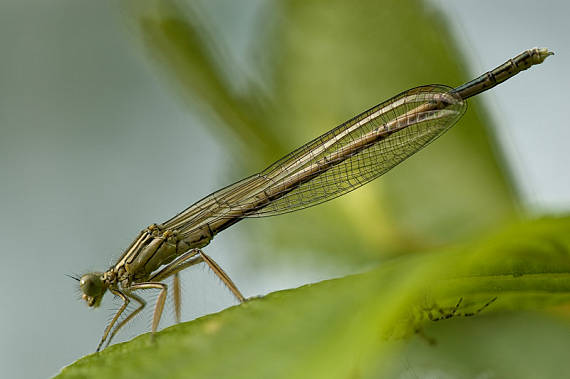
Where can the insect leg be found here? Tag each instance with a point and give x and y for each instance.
(222, 275)
(477, 311)
(159, 307)
(142, 303)
(176, 296)
(445, 315)
(116, 317)
(184, 261)
(172, 269)
(177, 265)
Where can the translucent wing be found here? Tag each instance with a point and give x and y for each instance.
(337, 162)
(363, 164)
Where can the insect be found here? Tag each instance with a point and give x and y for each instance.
(329, 166)
(445, 314)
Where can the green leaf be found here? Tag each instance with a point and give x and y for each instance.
(358, 326)
(322, 62)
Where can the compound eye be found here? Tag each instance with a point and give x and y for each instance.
(91, 285)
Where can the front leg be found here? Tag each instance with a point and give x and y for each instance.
(142, 304)
(116, 317)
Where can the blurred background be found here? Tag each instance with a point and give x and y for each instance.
(114, 116)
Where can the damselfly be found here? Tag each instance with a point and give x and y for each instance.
(329, 166)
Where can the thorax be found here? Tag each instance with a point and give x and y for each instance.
(151, 249)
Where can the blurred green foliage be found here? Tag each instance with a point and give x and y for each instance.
(358, 326)
(318, 63)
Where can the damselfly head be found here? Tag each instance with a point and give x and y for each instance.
(93, 288)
